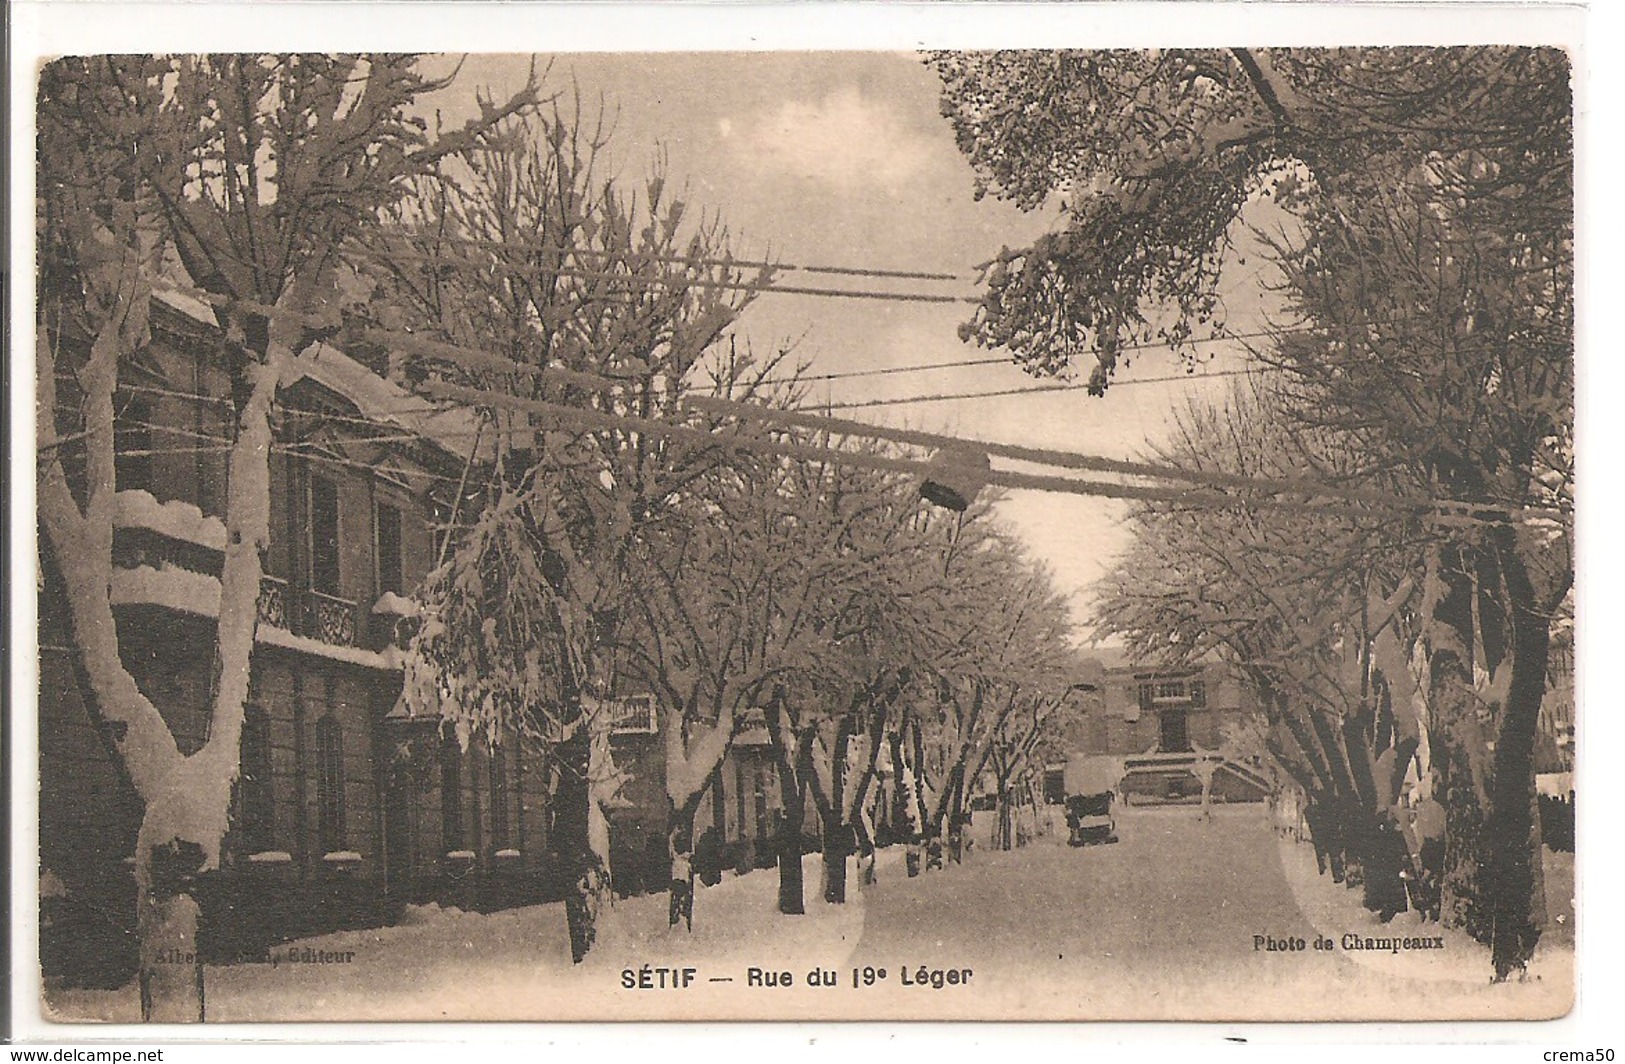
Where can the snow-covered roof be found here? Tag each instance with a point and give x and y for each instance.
(403, 711)
(376, 398)
(388, 403)
(188, 305)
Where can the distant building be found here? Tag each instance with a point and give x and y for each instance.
(1168, 729)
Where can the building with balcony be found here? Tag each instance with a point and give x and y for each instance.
(347, 807)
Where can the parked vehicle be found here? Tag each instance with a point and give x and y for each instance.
(1091, 790)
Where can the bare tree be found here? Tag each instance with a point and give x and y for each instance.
(545, 290)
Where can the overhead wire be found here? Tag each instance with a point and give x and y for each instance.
(1043, 456)
(1041, 389)
(1193, 497)
(1040, 456)
(761, 287)
(651, 256)
(302, 450)
(591, 419)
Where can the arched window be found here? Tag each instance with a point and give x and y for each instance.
(330, 785)
(256, 800)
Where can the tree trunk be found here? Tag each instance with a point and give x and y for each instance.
(171, 969)
(955, 816)
(794, 764)
(836, 833)
(792, 895)
(589, 872)
(866, 850)
(837, 848)
(1513, 845)
(1004, 830)
(680, 849)
(792, 899)
(1459, 898)
(1459, 750)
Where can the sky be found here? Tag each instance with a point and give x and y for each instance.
(843, 159)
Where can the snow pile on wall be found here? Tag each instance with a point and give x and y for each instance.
(395, 605)
(198, 594)
(389, 659)
(1555, 784)
(175, 519)
(169, 586)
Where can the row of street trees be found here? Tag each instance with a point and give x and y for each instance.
(609, 537)
(1425, 355)
(627, 537)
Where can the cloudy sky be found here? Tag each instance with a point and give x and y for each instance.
(843, 159)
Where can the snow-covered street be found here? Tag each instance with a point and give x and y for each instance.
(1159, 926)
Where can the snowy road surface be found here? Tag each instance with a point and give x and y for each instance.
(1163, 925)
(1159, 926)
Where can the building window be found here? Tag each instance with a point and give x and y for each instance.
(132, 446)
(324, 536)
(500, 839)
(1173, 692)
(389, 549)
(256, 799)
(329, 785)
(451, 795)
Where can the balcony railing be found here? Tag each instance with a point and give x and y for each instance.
(633, 715)
(333, 619)
(309, 613)
(273, 604)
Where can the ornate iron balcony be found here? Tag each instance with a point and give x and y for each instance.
(333, 619)
(273, 602)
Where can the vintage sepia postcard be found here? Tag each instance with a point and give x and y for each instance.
(968, 534)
